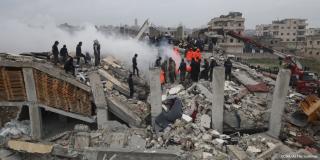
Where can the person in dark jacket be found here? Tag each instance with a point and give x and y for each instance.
(205, 71)
(96, 51)
(55, 52)
(79, 54)
(164, 68)
(213, 63)
(193, 66)
(198, 69)
(130, 83)
(228, 67)
(64, 54)
(182, 69)
(158, 62)
(135, 65)
(69, 67)
(172, 70)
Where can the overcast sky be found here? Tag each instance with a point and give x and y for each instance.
(191, 13)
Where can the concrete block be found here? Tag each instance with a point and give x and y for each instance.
(278, 102)
(155, 94)
(34, 110)
(237, 152)
(81, 140)
(99, 98)
(205, 121)
(218, 78)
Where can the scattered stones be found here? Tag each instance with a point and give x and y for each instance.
(205, 121)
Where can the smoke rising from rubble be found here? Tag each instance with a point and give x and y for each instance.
(22, 37)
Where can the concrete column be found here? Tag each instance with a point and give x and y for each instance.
(34, 109)
(99, 98)
(278, 102)
(218, 77)
(155, 93)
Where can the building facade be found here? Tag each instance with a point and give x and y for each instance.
(290, 32)
(231, 22)
(313, 31)
(312, 48)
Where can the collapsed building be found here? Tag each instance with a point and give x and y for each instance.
(52, 114)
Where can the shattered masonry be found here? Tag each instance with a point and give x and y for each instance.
(248, 96)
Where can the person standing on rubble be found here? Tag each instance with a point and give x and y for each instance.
(96, 51)
(55, 52)
(213, 63)
(79, 54)
(198, 68)
(135, 65)
(69, 67)
(182, 69)
(206, 69)
(64, 53)
(164, 69)
(193, 66)
(130, 83)
(158, 62)
(172, 70)
(228, 67)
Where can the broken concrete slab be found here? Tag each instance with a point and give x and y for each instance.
(121, 87)
(237, 152)
(121, 110)
(30, 147)
(176, 89)
(205, 121)
(82, 140)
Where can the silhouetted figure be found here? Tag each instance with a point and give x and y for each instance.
(96, 49)
(213, 63)
(69, 67)
(158, 62)
(64, 54)
(130, 83)
(205, 71)
(55, 52)
(182, 69)
(172, 70)
(198, 69)
(193, 66)
(79, 53)
(135, 65)
(228, 67)
(88, 57)
(165, 70)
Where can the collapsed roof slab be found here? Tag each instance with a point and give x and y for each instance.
(122, 111)
(119, 86)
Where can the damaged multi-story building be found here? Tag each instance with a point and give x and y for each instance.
(289, 33)
(230, 22)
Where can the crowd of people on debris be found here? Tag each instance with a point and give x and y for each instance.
(63, 57)
(190, 67)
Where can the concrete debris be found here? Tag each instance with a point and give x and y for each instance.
(186, 118)
(176, 89)
(16, 129)
(184, 125)
(205, 121)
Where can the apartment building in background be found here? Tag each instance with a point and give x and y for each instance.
(291, 33)
(230, 22)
